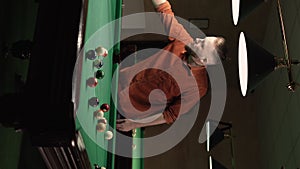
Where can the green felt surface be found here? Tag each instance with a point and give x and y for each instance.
(138, 163)
(100, 13)
(99, 18)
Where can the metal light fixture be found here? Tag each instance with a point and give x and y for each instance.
(214, 164)
(255, 63)
(218, 135)
(242, 8)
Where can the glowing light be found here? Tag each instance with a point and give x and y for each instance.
(73, 143)
(235, 8)
(207, 136)
(210, 162)
(243, 64)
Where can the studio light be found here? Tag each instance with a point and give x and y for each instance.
(214, 164)
(242, 8)
(255, 63)
(218, 135)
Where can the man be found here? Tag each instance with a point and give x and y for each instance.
(172, 71)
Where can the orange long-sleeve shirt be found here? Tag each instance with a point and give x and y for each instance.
(180, 87)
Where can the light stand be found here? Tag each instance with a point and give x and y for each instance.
(255, 63)
(288, 62)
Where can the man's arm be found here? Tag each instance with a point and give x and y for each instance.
(173, 28)
(128, 124)
(168, 116)
(156, 3)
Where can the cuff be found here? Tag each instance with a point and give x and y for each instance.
(156, 3)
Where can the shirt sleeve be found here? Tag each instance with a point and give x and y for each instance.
(173, 28)
(171, 112)
(181, 105)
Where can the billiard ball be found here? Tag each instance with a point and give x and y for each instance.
(101, 51)
(102, 120)
(98, 114)
(96, 166)
(108, 135)
(104, 107)
(80, 144)
(98, 63)
(94, 101)
(133, 133)
(92, 82)
(133, 146)
(91, 54)
(100, 127)
(99, 74)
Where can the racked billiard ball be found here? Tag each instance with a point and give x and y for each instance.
(108, 135)
(102, 120)
(99, 74)
(101, 127)
(101, 51)
(91, 54)
(105, 107)
(98, 63)
(98, 114)
(92, 82)
(94, 101)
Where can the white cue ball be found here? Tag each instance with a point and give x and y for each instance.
(102, 168)
(101, 127)
(108, 135)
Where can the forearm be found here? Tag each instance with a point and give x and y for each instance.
(172, 27)
(159, 120)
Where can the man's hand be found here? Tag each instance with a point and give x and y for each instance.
(126, 125)
(156, 3)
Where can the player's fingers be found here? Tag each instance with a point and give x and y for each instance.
(120, 121)
(120, 127)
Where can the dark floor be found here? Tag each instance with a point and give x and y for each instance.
(19, 19)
